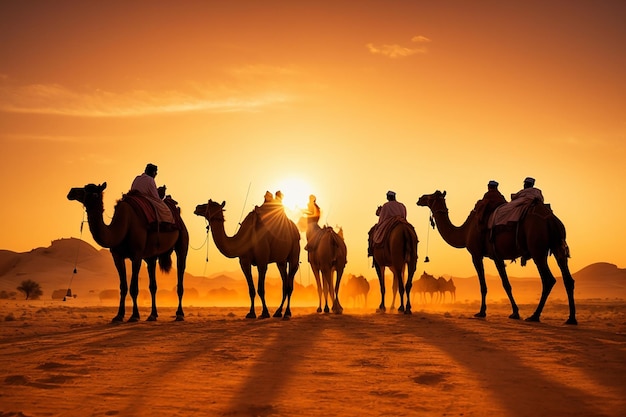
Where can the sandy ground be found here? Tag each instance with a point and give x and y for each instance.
(64, 359)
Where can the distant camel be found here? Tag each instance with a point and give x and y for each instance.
(535, 236)
(357, 287)
(397, 250)
(261, 240)
(128, 237)
(427, 284)
(447, 286)
(327, 254)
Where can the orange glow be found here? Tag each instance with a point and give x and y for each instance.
(329, 99)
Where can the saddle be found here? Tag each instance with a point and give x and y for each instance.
(144, 208)
(315, 240)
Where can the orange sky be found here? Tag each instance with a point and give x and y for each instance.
(343, 100)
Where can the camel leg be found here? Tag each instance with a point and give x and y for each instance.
(120, 265)
(394, 291)
(568, 280)
(134, 288)
(547, 282)
(265, 313)
(291, 276)
(246, 268)
(153, 287)
(316, 274)
(282, 268)
(480, 270)
(337, 308)
(327, 283)
(399, 284)
(506, 284)
(408, 287)
(288, 274)
(181, 265)
(380, 271)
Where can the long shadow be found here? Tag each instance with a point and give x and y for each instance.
(455, 345)
(490, 360)
(463, 344)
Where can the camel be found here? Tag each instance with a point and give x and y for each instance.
(427, 284)
(357, 287)
(447, 286)
(327, 254)
(399, 249)
(535, 236)
(127, 236)
(259, 242)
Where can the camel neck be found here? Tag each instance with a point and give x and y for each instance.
(455, 236)
(107, 236)
(229, 246)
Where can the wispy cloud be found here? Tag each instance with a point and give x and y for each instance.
(400, 51)
(56, 99)
(40, 138)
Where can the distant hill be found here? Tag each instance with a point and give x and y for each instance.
(96, 279)
(599, 280)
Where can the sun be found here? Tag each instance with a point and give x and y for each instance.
(296, 193)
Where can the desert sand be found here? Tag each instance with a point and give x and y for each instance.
(67, 359)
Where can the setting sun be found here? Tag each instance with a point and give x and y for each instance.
(296, 192)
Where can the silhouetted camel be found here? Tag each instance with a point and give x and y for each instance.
(447, 286)
(427, 284)
(260, 241)
(127, 237)
(327, 254)
(397, 250)
(535, 236)
(357, 287)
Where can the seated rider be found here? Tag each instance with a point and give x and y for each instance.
(492, 199)
(529, 192)
(386, 214)
(313, 210)
(520, 201)
(146, 185)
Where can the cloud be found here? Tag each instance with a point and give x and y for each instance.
(56, 99)
(399, 51)
(420, 39)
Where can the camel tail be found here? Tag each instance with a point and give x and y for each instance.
(558, 244)
(165, 262)
(410, 244)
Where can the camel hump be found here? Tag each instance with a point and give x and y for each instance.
(273, 218)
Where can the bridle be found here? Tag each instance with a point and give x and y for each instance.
(443, 209)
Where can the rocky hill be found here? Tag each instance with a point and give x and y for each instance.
(91, 275)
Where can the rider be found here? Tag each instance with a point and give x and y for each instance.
(520, 202)
(146, 185)
(313, 210)
(529, 192)
(492, 199)
(387, 214)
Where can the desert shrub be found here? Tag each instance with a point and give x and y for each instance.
(7, 295)
(31, 289)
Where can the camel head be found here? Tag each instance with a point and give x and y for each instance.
(212, 210)
(437, 198)
(88, 195)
